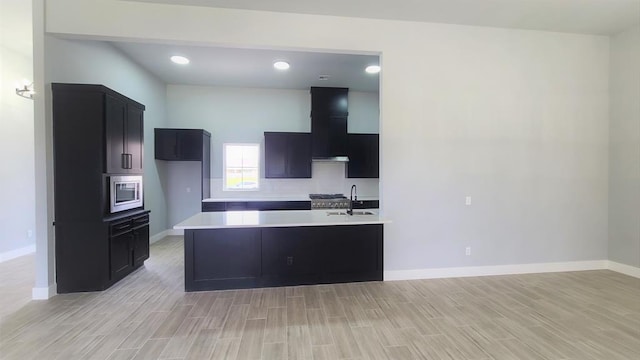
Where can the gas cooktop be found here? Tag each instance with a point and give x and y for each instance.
(329, 201)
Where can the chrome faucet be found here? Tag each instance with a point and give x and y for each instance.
(354, 189)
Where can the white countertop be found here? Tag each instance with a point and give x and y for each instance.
(285, 218)
(284, 198)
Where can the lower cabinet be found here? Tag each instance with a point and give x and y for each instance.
(290, 256)
(92, 256)
(128, 245)
(258, 257)
(120, 254)
(140, 245)
(222, 259)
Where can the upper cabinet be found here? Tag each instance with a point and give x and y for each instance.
(186, 145)
(364, 155)
(124, 135)
(287, 155)
(116, 119)
(329, 111)
(329, 101)
(180, 144)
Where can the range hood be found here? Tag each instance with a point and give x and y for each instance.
(329, 112)
(331, 159)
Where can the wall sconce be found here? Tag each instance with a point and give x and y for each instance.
(26, 91)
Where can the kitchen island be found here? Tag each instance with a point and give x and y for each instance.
(250, 249)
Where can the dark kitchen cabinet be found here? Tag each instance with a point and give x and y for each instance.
(225, 258)
(124, 135)
(287, 155)
(352, 253)
(218, 259)
(329, 122)
(129, 244)
(186, 145)
(364, 156)
(120, 255)
(180, 144)
(290, 256)
(97, 132)
(213, 206)
(330, 101)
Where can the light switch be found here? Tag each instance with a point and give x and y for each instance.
(188, 189)
(467, 200)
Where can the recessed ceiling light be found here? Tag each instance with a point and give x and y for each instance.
(180, 60)
(372, 69)
(281, 65)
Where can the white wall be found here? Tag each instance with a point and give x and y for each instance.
(93, 62)
(242, 115)
(17, 214)
(624, 149)
(516, 119)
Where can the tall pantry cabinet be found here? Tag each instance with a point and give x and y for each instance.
(97, 133)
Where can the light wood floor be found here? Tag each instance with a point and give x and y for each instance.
(580, 315)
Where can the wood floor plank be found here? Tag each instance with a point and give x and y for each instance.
(369, 344)
(276, 326)
(299, 342)
(318, 328)
(345, 341)
(234, 323)
(151, 349)
(274, 351)
(252, 339)
(203, 345)
(226, 349)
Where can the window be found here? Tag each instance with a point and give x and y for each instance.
(241, 166)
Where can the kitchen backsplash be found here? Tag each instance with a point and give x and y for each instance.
(328, 178)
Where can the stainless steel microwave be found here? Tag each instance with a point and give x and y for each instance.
(125, 192)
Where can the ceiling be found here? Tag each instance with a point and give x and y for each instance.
(215, 66)
(598, 17)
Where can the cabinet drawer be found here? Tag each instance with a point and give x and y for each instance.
(119, 227)
(140, 220)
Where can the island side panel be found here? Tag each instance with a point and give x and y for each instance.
(217, 259)
(233, 258)
(352, 253)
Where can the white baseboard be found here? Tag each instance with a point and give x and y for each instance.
(161, 235)
(624, 269)
(8, 255)
(44, 293)
(158, 236)
(176, 232)
(470, 271)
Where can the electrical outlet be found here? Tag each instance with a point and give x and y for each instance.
(467, 200)
(467, 251)
(188, 189)
(29, 233)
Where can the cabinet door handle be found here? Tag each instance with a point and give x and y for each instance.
(130, 161)
(123, 161)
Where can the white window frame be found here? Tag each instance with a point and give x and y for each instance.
(224, 166)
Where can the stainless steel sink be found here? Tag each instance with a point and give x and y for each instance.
(331, 213)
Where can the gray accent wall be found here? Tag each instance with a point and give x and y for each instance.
(624, 148)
